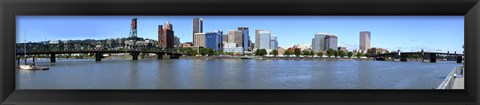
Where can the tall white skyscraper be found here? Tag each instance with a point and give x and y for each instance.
(264, 39)
(318, 42)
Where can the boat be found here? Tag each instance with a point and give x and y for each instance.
(29, 66)
(32, 67)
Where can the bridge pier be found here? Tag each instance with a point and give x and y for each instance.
(403, 57)
(459, 59)
(33, 60)
(174, 56)
(52, 58)
(159, 55)
(18, 60)
(433, 58)
(134, 55)
(98, 56)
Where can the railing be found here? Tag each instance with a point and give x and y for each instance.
(449, 80)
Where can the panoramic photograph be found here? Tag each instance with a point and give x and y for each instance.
(239, 52)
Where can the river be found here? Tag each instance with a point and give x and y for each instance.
(233, 74)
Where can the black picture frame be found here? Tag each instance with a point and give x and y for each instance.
(11, 8)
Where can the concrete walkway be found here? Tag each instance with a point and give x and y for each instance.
(459, 83)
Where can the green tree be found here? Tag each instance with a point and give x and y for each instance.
(261, 52)
(342, 53)
(288, 52)
(258, 52)
(330, 52)
(350, 54)
(306, 53)
(189, 51)
(367, 55)
(335, 53)
(274, 52)
(264, 52)
(210, 52)
(203, 51)
(359, 54)
(320, 54)
(297, 52)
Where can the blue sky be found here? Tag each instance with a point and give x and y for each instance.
(407, 33)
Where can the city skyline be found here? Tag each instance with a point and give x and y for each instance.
(391, 32)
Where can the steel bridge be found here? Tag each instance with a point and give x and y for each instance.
(426, 56)
(99, 53)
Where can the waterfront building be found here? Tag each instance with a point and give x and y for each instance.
(302, 47)
(273, 42)
(199, 40)
(225, 38)
(364, 40)
(281, 51)
(292, 49)
(318, 42)
(235, 36)
(375, 51)
(245, 37)
(186, 45)
(342, 49)
(214, 40)
(331, 42)
(237, 50)
(264, 39)
(197, 27)
(230, 45)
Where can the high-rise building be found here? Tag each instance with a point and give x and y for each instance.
(273, 42)
(225, 38)
(199, 40)
(235, 36)
(166, 36)
(160, 36)
(197, 27)
(214, 40)
(257, 38)
(245, 37)
(176, 41)
(264, 39)
(364, 40)
(168, 26)
(331, 42)
(318, 42)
